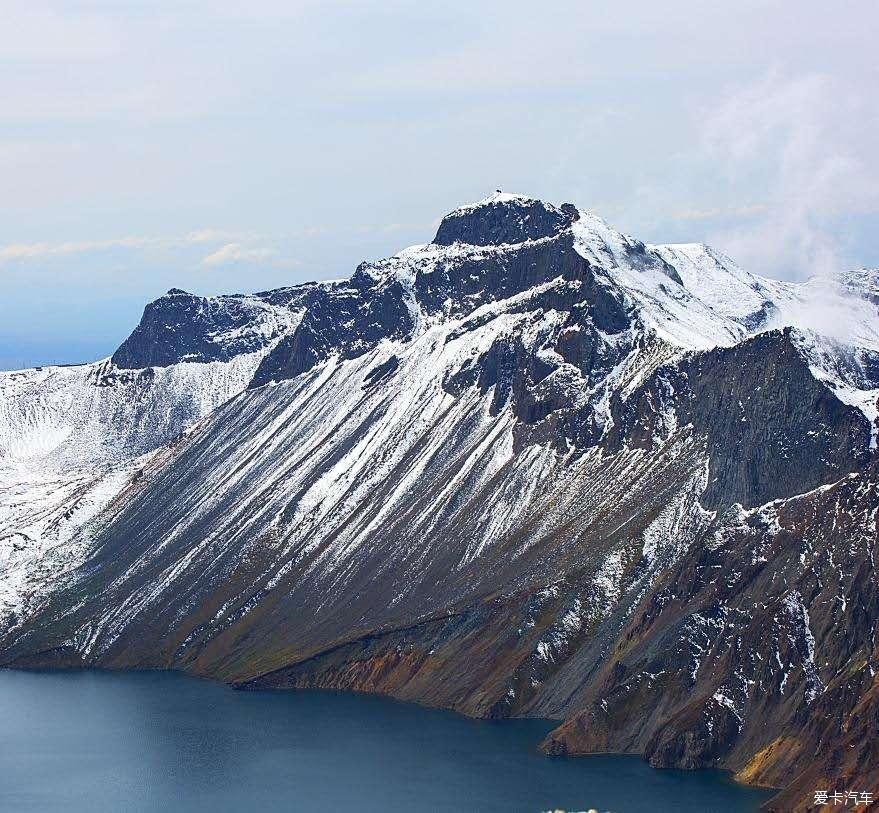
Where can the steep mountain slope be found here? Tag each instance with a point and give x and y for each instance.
(534, 467)
(72, 438)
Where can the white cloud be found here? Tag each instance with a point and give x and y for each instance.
(808, 142)
(719, 212)
(230, 251)
(146, 128)
(219, 236)
(236, 253)
(31, 251)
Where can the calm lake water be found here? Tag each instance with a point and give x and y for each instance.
(149, 741)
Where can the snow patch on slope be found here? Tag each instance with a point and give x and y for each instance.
(71, 439)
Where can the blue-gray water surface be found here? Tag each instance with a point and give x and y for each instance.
(155, 741)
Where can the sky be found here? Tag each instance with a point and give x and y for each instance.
(225, 147)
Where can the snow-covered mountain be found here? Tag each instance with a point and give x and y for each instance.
(72, 438)
(533, 467)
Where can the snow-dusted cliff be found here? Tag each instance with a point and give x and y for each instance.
(72, 438)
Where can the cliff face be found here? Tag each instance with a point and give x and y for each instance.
(755, 651)
(772, 429)
(535, 467)
(182, 327)
(507, 219)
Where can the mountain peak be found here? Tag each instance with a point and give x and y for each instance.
(504, 218)
(181, 326)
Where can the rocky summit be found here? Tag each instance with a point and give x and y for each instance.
(535, 467)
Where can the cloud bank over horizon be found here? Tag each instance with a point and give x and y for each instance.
(219, 148)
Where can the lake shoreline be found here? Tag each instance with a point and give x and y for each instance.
(728, 777)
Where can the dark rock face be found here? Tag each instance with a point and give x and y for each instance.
(718, 664)
(182, 327)
(501, 220)
(381, 372)
(772, 430)
(536, 380)
(347, 319)
(460, 286)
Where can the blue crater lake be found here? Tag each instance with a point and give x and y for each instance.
(155, 741)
